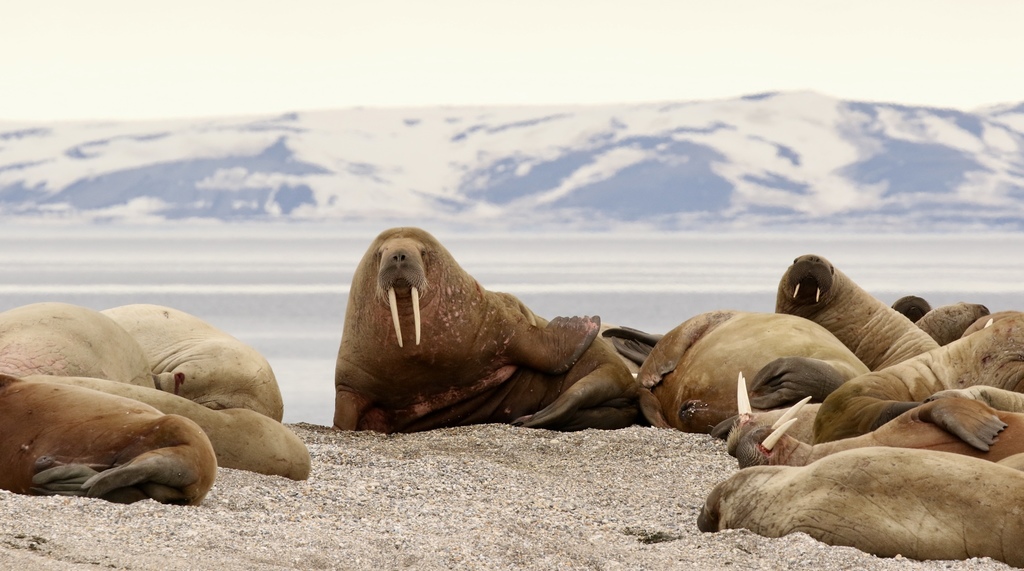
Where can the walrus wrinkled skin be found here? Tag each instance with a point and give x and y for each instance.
(198, 361)
(62, 339)
(993, 356)
(987, 320)
(425, 346)
(998, 435)
(879, 335)
(64, 440)
(242, 439)
(692, 369)
(947, 323)
(920, 504)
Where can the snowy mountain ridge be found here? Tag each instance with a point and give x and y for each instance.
(776, 160)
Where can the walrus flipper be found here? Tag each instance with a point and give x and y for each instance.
(63, 480)
(789, 379)
(633, 344)
(972, 421)
(599, 390)
(558, 346)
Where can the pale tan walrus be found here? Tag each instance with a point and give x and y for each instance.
(198, 361)
(62, 339)
(692, 368)
(993, 356)
(920, 504)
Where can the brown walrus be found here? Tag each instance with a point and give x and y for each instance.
(921, 504)
(760, 444)
(195, 360)
(62, 339)
(993, 356)
(65, 440)
(242, 439)
(912, 307)
(987, 320)
(692, 369)
(425, 346)
(947, 323)
(879, 335)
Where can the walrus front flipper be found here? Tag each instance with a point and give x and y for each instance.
(789, 379)
(972, 421)
(557, 346)
(999, 399)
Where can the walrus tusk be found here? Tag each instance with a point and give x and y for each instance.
(394, 314)
(742, 400)
(988, 323)
(817, 295)
(774, 437)
(796, 290)
(791, 413)
(415, 312)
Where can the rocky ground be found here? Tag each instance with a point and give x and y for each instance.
(483, 497)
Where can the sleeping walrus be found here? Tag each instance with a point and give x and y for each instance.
(425, 346)
(66, 440)
(920, 504)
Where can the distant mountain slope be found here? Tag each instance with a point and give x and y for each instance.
(769, 160)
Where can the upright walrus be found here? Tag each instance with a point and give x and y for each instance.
(920, 504)
(66, 440)
(425, 346)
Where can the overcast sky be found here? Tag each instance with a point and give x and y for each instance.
(78, 59)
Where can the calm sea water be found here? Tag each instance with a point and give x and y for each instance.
(283, 289)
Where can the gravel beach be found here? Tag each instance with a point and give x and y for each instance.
(482, 497)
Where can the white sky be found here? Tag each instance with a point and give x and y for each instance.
(92, 59)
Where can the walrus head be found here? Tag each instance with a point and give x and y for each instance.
(401, 268)
(806, 282)
(912, 306)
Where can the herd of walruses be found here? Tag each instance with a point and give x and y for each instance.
(911, 444)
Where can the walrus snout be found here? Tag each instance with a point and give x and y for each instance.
(402, 265)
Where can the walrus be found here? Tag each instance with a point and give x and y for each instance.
(241, 438)
(424, 346)
(692, 369)
(947, 323)
(996, 435)
(193, 359)
(993, 356)
(912, 307)
(66, 440)
(987, 320)
(879, 335)
(921, 504)
(62, 339)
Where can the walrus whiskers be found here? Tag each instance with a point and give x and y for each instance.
(777, 434)
(393, 302)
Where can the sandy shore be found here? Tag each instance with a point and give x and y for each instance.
(484, 497)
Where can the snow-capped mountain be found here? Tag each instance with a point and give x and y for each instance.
(774, 160)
